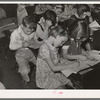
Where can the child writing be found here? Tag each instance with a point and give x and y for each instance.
(48, 68)
(20, 41)
(79, 33)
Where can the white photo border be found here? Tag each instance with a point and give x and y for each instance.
(68, 94)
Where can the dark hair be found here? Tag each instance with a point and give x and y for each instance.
(31, 21)
(50, 15)
(82, 8)
(58, 30)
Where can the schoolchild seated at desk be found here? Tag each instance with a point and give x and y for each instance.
(48, 67)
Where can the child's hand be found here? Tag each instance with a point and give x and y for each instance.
(26, 44)
(82, 57)
(84, 64)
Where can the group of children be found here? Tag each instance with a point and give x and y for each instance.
(39, 42)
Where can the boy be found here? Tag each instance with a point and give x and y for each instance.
(20, 41)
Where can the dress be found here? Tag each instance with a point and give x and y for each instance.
(45, 77)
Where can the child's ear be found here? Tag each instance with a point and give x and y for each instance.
(42, 19)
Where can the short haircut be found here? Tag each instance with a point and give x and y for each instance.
(83, 8)
(31, 21)
(50, 15)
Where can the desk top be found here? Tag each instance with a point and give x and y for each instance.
(8, 23)
(85, 66)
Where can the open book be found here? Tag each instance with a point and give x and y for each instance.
(94, 25)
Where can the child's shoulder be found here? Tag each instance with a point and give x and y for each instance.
(16, 31)
(43, 46)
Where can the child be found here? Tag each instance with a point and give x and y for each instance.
(41, 8)
(20, 41)
(48, 68)
(44, 25)
(79, 33)
(21, 13)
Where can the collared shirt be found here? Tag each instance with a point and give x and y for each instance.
(18, 37)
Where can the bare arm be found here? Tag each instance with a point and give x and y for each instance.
(61, 67)
(88, 47)
(72, 57)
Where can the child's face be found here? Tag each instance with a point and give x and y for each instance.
(83, 15)
(58, 9)
(28, 30)
(82, 12)
(60, 40)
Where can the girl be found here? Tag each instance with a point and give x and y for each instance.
(48, 68)
(79, 33)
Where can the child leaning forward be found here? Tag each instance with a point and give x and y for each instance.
(48, 68)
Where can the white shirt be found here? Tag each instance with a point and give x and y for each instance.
(18, 37)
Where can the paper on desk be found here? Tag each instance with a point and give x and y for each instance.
(94, 54)
(85, 64)
(68, 72)
(94, 25)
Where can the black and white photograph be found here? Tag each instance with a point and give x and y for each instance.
(49, 46)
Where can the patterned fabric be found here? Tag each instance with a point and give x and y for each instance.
(45, 77)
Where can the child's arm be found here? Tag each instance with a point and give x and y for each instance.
(61, 67)
(88, 47)
(15, 42)
(46, 55)
(75, 57)
(72, 57)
